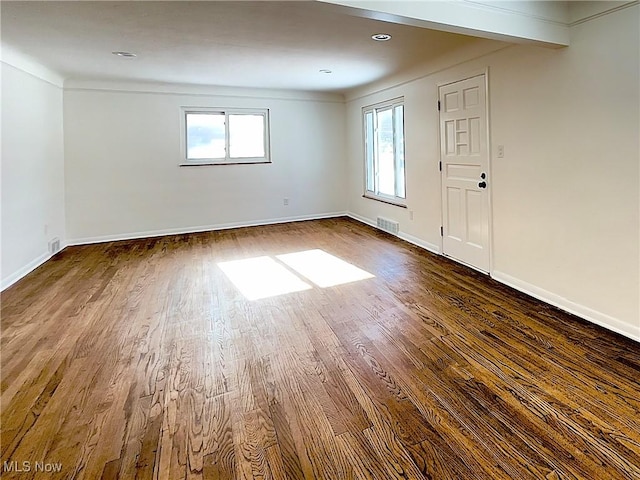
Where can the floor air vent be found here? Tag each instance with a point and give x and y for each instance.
(388, 226)
(54, 246)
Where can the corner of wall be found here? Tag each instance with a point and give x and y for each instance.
(11, 56)
(33, 188)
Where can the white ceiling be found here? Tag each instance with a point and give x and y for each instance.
(268, 44)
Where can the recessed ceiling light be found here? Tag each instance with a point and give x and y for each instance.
(324, 70)
(381, 37)
(124, 54)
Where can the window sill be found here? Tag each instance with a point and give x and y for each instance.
(384, 200)
(200, 164)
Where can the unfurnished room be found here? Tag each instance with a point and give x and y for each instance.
(331, 239)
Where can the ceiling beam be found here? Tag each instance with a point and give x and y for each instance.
(539, 22)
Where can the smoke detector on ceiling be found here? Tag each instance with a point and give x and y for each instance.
(381, 37)
(124, 54)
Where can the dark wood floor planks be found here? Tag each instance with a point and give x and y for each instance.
(141, 359)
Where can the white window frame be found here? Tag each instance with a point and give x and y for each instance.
(227, 159)
(396, 199)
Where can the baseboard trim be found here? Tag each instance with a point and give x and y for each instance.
(361, 219)
(418, 242)
(562, 303)
(198, 229)
(593, 316)
(24, 271)
(586, 313)
(31, 266)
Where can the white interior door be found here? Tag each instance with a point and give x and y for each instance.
(465, 162)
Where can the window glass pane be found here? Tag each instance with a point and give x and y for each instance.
(399, 149)
(368, 142)
(246, 136)
(384, 140)
(205, 135)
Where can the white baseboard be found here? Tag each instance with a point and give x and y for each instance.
(361, 219)
(586, 313)
(14, 277)
(593, 316)
(404, 236)
(198, 229)
(420, 243)
(582, 311)
(28, 268)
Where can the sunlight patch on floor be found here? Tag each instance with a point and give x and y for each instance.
(322, 268)
(262, 277)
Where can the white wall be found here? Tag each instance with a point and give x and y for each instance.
(123, 151)
(566, 195)
(32, 170)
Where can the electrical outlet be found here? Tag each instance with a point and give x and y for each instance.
(500, 151)
(410, 214)
(285, 201)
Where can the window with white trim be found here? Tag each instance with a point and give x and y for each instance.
(222, 136)
(384, 151)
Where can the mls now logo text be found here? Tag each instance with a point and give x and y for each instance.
(28, 466)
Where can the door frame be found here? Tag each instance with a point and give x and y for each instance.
(465, 76)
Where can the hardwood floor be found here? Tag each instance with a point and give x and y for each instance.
(142, 359)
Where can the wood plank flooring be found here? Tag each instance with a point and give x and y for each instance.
(141, 359)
